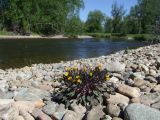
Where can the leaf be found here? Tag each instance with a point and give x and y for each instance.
(88, 98)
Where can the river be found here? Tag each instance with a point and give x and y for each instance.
(19, 53)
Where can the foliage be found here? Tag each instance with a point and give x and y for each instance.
(74, 26)
(95, 21)
(42, 16)
(117, 16)
(86, 86)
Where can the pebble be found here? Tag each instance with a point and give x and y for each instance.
(128, 91)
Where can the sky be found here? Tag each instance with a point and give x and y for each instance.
(105, 6)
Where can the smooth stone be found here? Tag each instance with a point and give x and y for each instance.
(150, 98)
(135, 100)
(117, 99)
(78, 108)
(138, 75)
(9, 95)
(24, 105)
(156, 105)
(138, 82)
(96, 113)
(20, 118)
(50, 108)
(6, 101)
(2, 94)
(128, 91)
(115, 67)
(145, 68)
(113, 110)
(114, 80)
(45, 87)
(11, 114)
(31, 94)
(138, 111)
(117, 118)
(3, 85)
(71, 115)
(157, 88)
(151, 79)
(26, 115)
(60, 111)
(152, 72)
(38, 114)
(39, 104)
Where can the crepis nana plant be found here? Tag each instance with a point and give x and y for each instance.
(83, 85)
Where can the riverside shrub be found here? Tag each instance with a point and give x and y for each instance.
(86, 86)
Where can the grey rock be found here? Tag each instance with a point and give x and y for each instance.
(137, 111)
(115, 67)
(157, 88)
(50, 108)
(150, 98)
(139, 82)
(1, 94)
(38, 114)
(138, 75)
(70, 115)
(31, 94)
(152, 72)
(96, 113)
(78, 108)
(156, 105)
(3, 85)
(9, 95)
(128, 91)
(117, 99)
(151, 79)
(113, 110)
(6, 101)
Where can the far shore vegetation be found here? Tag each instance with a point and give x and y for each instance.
(55, 17)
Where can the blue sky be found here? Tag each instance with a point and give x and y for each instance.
(104, 6)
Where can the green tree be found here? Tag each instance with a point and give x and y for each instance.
(74, 26)
(108, 25)
(95, 21)
(40, 16)
(117, 17)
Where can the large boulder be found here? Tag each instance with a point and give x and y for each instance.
(138, 111)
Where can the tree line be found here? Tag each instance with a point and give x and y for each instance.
(62, 17)
(138, 21)
(38, 16)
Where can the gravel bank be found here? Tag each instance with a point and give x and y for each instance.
(25, 94)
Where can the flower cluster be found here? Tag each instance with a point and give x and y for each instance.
(85, 85)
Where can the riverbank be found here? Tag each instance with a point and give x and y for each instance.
(26, 92)
(41, 37)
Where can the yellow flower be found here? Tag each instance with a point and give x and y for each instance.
(75, 68)
(69, 78)
(85, 68)
(66, 74)
(107, 77)
(90, 74)
(78, 81)
(77, 77)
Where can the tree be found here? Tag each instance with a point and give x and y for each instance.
(74, 26)
(108, 25)
(117, 17)
(95, 21)
(40, 16)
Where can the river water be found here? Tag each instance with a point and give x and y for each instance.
(19, 53)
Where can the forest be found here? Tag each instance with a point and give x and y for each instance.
(50, 17)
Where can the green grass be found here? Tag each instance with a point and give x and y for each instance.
(139, 37)
(4, 32)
